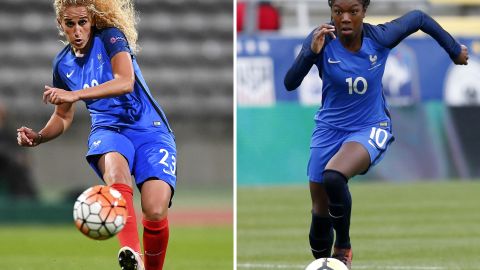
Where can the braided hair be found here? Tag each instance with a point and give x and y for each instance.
(365, 3)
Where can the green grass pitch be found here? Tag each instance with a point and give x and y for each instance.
(201, 246)
(408, 226)
(63, 247)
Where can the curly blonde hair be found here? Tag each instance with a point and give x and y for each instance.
(107, 13)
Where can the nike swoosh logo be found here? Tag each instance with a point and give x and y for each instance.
(169, 173)
(70, 74)
(375, 66)
(322, 250)
(332, 216)
(153, 254)
(331, 61)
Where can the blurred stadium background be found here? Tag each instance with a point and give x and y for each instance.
(432, 167)
(187, 60)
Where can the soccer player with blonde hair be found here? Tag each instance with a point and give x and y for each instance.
(130, 134)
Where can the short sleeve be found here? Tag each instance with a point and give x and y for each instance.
(57, 81)
(114, 41)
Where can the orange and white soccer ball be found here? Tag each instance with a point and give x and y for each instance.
(326, 264)
(100, 212)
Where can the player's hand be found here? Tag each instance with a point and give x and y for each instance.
(58, 96)
(462, 58)
(27, 137)
(318, 39)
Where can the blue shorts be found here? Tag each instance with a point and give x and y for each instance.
(326, 143)
(150, 154)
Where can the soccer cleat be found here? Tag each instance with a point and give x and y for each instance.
(344, 255)
(129, 259)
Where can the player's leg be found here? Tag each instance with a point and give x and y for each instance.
(155, 175)
(116, 173)
(360, 151)
(156, 195)
(350, 160)
(321, 230)
(111, 155)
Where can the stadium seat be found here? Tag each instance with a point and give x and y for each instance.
(186, 53)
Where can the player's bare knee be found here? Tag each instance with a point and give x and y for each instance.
(155, 213)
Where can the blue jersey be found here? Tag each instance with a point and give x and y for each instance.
(137, 110)
(352, 95)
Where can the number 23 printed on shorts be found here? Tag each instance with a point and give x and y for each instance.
(169, 161)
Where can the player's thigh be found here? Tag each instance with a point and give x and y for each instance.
(156, 158)
(114, 168)
(110, 154)
(351, 159)
(155, 173)
(325, 144)
(375, 140)
(361, 150)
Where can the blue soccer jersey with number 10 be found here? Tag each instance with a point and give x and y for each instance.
(137, 110)
(352, 97)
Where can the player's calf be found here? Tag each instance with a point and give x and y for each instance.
(321, 236)
(340, 205)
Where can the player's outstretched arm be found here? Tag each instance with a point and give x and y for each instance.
(59, 122)
(392, 33)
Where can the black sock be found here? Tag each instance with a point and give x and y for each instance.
(321, 236)
(340, 206)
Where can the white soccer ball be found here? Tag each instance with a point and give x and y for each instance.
(326, 264)
(100, 212)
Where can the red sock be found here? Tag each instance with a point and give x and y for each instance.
(155, 242)
(128, 236)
